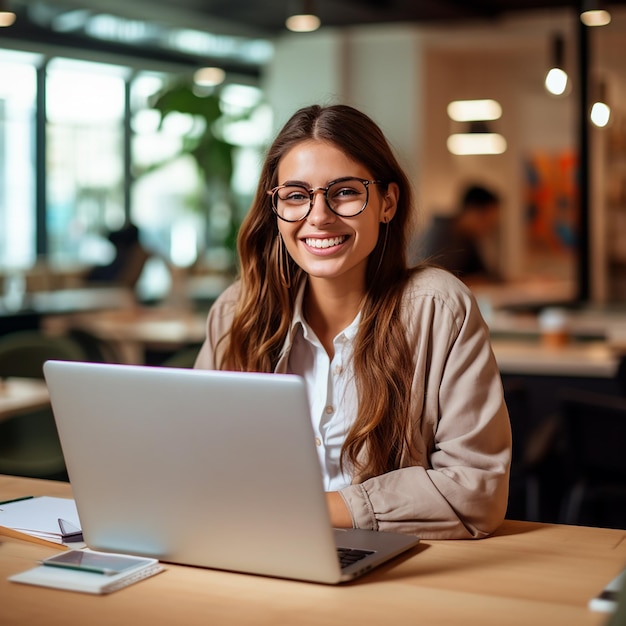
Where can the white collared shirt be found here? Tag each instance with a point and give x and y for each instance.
(331, 390)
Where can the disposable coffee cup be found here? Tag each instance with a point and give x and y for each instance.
(553, 325)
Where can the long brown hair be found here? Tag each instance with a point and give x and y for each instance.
(383, 364)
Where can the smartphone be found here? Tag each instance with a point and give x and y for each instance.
(97, 562)
(609, 597)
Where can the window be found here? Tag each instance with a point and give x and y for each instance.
(167, 186)
(85, 158)
(18, 85)
(176, 204)
(88, 192)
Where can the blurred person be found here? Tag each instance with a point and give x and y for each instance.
(454, 242)
(128, 262)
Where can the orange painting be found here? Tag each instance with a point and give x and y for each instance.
(551, 203)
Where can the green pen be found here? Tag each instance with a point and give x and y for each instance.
(16, 500)
(80, 568)
(96, 562)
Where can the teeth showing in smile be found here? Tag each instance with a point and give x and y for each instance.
(325, 243)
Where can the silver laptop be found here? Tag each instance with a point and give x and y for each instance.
(212, 469)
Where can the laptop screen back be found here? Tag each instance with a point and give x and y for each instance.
(216, 469)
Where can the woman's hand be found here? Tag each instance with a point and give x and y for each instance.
(339, 513)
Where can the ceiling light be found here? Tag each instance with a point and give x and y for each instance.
(593, 13)
(209, 76)
(557, 80)
(303, 19)
(469, 143)
(479, 140)
(303, 23)
(7, 17)
(471, 110)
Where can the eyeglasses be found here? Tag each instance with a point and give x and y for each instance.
(346, 197)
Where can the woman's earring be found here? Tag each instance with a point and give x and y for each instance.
(382, 253)
(283, 264)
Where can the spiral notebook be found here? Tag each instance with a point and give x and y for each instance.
(87, 571)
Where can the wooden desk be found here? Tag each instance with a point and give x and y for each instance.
(18, 395)
(527, 573)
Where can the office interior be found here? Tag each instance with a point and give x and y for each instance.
(86, 146)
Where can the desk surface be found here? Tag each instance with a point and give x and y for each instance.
(527, 573)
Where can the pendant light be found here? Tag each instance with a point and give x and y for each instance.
(594, 13)
(304, 20)
(600, 113)
(209, 76)
(557, 80)
(7, 17)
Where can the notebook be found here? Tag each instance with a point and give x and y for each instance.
(89, 572)
(203, 468)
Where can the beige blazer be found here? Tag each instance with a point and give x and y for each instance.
(456, 486)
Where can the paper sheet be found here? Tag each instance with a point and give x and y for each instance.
(42, 517)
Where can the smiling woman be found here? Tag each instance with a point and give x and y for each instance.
(331, 229)
(405, 396)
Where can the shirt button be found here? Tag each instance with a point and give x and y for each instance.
(338, 369)
(318, 442)
(329, 410)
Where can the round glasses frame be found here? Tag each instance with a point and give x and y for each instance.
(311, 192)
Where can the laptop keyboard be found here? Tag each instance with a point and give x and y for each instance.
(349, 556)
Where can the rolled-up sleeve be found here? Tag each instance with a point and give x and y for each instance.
(458, 488)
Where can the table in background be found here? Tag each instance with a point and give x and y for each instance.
(527, 573)
(537, 373)
(19, 395)
(33, 307)
(589, 359)
(526, 293)
(132, 331)
(607, 324)
(71, 300)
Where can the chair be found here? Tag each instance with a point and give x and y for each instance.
(620, 375)
(595, 429)
(532, 448)
(95, 349)
(184, 358)
(29, 443)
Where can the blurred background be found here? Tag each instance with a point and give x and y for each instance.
(105, 119)
(132, 135)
